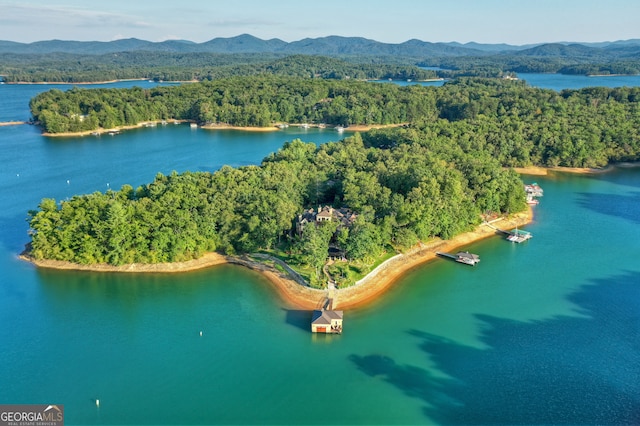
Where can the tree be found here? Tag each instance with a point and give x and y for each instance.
(364, 242)
(314, 245)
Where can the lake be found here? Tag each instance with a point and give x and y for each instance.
(555, 82)
(544, 332)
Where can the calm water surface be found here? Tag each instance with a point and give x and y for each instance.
(559, 82)
(545, 332)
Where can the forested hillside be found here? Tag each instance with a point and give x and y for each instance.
(179, 60)
(73, 68)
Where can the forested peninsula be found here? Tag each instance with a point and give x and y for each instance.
(519, 125)
(450, 164)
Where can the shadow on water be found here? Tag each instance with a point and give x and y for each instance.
(299, 318)
(623, 206)
(567, 370)
(625, 176)
(14, 235)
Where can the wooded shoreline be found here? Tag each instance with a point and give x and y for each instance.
(295, 295)
(217, 126)
(366, 290)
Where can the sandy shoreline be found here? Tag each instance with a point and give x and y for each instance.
(12, 123)
(243, 128)
(544, 171)
(295, 295)
(79, 82)
(367, 127)
(102, 131)
(217, 126)
(98, 82)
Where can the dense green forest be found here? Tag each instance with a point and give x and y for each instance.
(404, 186)
(329, 57)
(520, 125)
(431, 177)
(500, 65)
(73, 68)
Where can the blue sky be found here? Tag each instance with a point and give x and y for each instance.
(391, 21)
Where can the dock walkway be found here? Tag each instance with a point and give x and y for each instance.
(516, 236)
(495, 228)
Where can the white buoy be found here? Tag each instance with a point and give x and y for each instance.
(67, 181)
(97, 402)
(201, 333)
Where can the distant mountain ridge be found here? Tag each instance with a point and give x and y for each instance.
(329, 46)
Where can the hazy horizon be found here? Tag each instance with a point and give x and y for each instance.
(486, 22)
(327, 36)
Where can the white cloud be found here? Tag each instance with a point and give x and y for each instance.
(45, 22)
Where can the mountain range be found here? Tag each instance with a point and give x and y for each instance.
(328, 46)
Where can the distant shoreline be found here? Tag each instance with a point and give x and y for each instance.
(243, 128)
(426, 80)
(78, 82)
(96, 82)
(12, 123)
(102, 131)
(217, 126)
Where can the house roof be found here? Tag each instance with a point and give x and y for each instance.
(467, 255)
(324, 317)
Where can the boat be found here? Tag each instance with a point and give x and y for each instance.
(193, 125)
(531, 200)
(339, 129)
(534, 190)
(519, 236)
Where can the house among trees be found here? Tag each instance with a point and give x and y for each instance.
(344, 216)
(326, 321)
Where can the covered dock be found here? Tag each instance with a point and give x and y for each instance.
(462, 257)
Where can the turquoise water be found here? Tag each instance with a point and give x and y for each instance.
(559, 81)
(555, 82)
(545, 332)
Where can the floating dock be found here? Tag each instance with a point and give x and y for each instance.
(516, 236)
(519, 236)
(462, 257)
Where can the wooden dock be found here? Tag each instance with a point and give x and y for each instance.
(462, 257)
